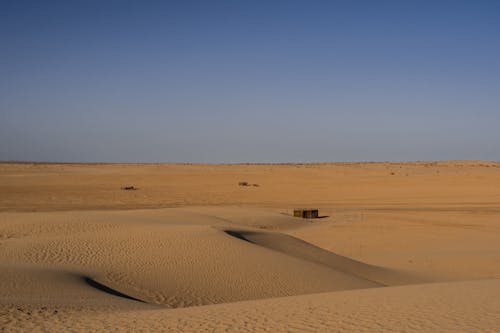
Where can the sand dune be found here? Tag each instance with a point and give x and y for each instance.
(33, 284)
(248, 265)
(300, 249)
(178, 265)
(449, 307)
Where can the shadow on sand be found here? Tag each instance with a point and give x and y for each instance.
(93, 283)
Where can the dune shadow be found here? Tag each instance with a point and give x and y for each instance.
(93, 283)
(239, 235)
(298, 248)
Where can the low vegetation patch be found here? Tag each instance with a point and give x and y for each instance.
(129, 188)
(248, 184)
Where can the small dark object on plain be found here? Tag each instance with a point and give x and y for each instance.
(243, 184)
(255, 185)
(129, 188)
(306, 213)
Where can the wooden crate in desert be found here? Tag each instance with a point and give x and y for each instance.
(306, 213)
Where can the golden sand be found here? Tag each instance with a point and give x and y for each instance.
(400, 247)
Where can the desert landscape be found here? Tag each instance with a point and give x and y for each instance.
(250, 166)
(398, 247)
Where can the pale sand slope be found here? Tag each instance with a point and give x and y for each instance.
(451, 307)
(176, 265)
(125, 270)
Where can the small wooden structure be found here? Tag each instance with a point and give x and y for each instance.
(306, 213)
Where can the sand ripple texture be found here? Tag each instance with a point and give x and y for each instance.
(409, 247)
(179, 265)
(450, 307)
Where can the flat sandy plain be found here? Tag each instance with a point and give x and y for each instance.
(400, 247)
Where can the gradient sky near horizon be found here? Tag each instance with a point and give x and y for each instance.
(249, 81)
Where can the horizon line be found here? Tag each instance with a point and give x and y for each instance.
(243, 163)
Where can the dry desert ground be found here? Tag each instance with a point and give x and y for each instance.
(399, 247)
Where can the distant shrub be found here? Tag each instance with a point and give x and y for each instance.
(129, 188)
(248, 184)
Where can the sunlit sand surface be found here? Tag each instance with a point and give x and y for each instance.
(406, 247)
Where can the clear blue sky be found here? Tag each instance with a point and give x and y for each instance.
(249, 81)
